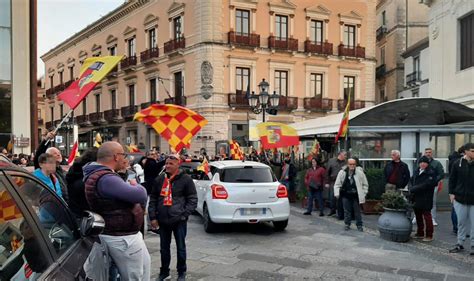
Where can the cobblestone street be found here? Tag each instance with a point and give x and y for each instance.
(312, 248)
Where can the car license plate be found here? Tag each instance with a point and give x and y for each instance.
(251, 212)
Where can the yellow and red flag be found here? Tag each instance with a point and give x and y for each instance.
(133, 148)
(74, 153)
(314, 150)
(175, 123)
(235, 151)
(204, 167)
(274, 135)
(8, 208)
(344, 126)
(92, 71)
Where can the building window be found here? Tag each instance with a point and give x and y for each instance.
(113, 98)
(316, 84)
(178, 84)
(71, 73)
(97, 103)
(153, 97)
(113, 50)
(51, 81)
(131, 95)
(96, 54)
(61, 111)
(349, 36)
(416, 68)
(242, 22)
(242, 82)
(382, 95)
(84, 107)
(61, 78)
(384, 19)
(152, 38)
(382, 55)
(349, 87)
(281, 82)
(177, 28)
(131, 47)
(281, 27)
(51, 112)
(415, 93)
(467, 41)
(316, 31)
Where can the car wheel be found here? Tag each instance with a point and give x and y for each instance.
(209, 226)
(280, 225)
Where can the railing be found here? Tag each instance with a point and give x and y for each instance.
(358, 51)
(180, 100)
(50, 93)
(174, 44)
(59, 88)
(288, 103)
(323, 48)
(149, 54)
(288, 44)
(68, 83)
(146, 104)
(83, 120)
(112, 115)
(380, 71)
(413, 77)
(113, 72)
(341, 104)
(97, 117)
(128, 62)
(317, 104)
(238, 100)
(381, 32)
(251, 40)
(129, 111)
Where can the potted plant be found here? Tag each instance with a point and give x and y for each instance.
(394, 224)
(376, 189)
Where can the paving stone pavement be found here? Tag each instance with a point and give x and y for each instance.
(312, 248)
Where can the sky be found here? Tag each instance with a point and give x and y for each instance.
(60, 19)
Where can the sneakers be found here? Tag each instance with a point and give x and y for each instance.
(360, 228)
(427, 239)
(347, 227)
(435, 223)
(321, 214)
(418, 236)
(181, 276)
(307, 213)
(332, 213)
(164, 276)
(457, 248)
(413, 221)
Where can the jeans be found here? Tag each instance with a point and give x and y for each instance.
(428, 220)
(465, 214)
(331, 198)
(130, 255)
(351, 205)
(454, 219)
(340, 209)
(318, 195)
(179, 230)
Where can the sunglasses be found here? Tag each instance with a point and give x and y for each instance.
(123, 154)
(172, 158)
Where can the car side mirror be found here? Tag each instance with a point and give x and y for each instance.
(92, 224)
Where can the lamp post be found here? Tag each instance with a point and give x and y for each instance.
(261, 102)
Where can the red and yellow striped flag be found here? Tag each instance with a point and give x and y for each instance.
(274, 135)
(175, 123)
(235, 151)
(74, 153)
(344, 122)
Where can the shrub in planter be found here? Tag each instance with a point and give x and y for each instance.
(376, 189)
(394, 224)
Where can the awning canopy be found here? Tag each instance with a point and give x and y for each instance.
(410, 114)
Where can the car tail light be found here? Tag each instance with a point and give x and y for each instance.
(218, 192)
(282, 192)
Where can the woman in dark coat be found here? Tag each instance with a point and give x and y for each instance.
(422, 188)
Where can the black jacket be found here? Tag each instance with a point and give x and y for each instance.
(403, 172)
(184, 200)
(461, 181)
(422, 188)
(151, 170)
(76, 189)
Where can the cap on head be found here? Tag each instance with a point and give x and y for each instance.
(424, 159)
(173, 155)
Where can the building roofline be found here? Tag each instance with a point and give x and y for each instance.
(95, 27)
(420, 45)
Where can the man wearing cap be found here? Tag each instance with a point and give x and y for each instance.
(173, 198)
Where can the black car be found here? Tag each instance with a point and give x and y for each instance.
(39, 237)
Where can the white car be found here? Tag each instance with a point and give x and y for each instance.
(241, 192)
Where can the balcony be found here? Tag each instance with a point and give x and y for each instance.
(83, 120)
(50, 93)
(238, 100)
(381, 31)
(323, 48)
(146, 104)
(357, 52)
(180, 100)
(49, 125)
(174, 45)
(129, 63)
(129, 111)
(341, 104)
(150, 56)
(317, 104)
(112, 115)
(413, 78)
(287, 44)
(97, 118)
(40, 121)
(380, 71)
(246, 40)
(113, 73)
(288, 103)
(68, 83)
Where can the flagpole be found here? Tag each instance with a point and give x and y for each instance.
(65, 119)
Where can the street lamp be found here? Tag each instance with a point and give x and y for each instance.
(261, 102)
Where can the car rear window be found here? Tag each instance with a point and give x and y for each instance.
(247, 174)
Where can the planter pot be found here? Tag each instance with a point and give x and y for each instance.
(368, 208)
(394, 225)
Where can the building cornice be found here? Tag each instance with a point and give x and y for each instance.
(97, 26)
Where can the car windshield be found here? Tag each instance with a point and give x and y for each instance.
(247, 174)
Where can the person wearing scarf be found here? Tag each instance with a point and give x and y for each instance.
(173, 198)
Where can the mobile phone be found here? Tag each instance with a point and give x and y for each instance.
(131, 175)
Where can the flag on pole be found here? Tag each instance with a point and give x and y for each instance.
(235, 151)
(92, 71)
(98, 140)
(175, 123)
(274, 135)
(74, 153)
(204, 167)
(314, 150)
(133, 148)
(344, 126)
